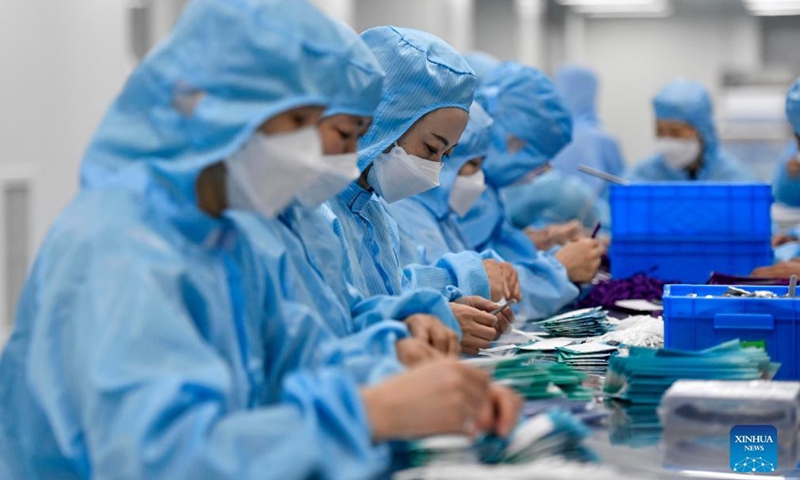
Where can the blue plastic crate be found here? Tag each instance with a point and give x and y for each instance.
(687, 261)
(691, 210)
(696, 323)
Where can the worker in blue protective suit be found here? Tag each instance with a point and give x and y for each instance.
(422, 112)
(138, 351)
(786, 187)
(591, 145)
(787, 178)
(304, 232)
(428, 229)
(687, 145)
(531, 125)
(481, 62)
(556, 207)
(428, 221)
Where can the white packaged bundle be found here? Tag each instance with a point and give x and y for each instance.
(698, 418)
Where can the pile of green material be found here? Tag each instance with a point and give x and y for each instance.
(588, 322)
(645, 374)
(634, 425)
(536, 379)
(554, 433)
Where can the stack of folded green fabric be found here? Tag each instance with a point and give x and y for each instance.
(642, 376)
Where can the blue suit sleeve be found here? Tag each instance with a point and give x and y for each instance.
(426, 258)
(152, 388)
(546, 288)
(375, 309)
(786, 188)
(787, 252)
(463, 270)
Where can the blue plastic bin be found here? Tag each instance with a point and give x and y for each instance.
(700, 211)
(683, 231)
(685, 261)
(696, 323)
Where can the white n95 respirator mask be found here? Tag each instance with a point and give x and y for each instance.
(338, 172)
(679, 153)
(397, 175)
(466, 191)
(266, 174)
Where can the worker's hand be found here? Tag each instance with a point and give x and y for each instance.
(502, 320)
(781, 239)
(793, 168)
(564, 233)
(497, 281)
(413, 352)
(513, 288)
(581, 259)
(501, 414)
(433, 332)
(503, 280)
(779, 270)
(540, 238)
(478, 328)
(444, 397)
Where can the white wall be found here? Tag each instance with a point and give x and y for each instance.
(451, 20)
(634, 58)
(61, 63)
(496, 28)
(421, 14)
(344, 10)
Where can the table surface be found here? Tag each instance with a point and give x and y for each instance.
(631, 448)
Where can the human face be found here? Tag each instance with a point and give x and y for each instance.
(435, 135)
(340, 133)
(471, 167)
(675, 129)
(291, 120)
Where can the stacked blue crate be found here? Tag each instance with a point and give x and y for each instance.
(684, 231)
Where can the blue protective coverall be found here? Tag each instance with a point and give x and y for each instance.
(147, 343)
(690, 103)
(786, 188)
(524, 104)
(424, 74)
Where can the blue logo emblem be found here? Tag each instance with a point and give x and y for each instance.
(754, 448)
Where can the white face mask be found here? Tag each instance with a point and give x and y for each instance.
(339, 171)
(678, 153)
(265, 175)
(397, 175)
(466, 191)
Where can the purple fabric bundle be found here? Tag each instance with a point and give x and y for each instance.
(639, 287)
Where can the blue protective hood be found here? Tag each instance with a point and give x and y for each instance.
(423, 74)
(474, 143)
(227, 66)
(689, 102)
(481, 62)
(523, 102)
(793, 106)
(578, 87)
